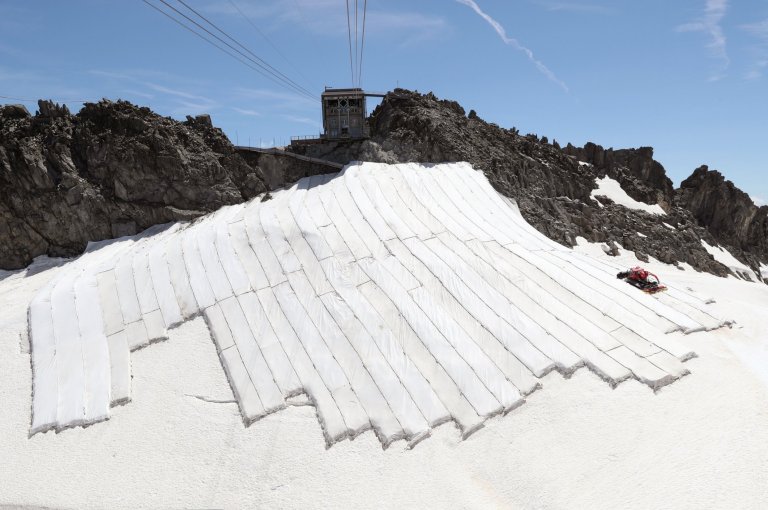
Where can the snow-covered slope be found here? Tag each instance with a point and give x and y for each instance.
(726, 258)
(395, 297)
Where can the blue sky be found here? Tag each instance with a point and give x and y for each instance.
(688, 77)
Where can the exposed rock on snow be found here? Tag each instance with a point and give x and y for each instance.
(395, 297)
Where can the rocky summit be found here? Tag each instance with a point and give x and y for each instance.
(115, 169)
(553, 185)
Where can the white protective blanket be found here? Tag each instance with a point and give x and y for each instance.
(395, 297)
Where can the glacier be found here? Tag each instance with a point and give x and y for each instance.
(395, 297)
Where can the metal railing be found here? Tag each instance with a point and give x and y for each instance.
(306, 137)
(280, 152)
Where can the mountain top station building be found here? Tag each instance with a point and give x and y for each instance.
(344, 113)
(344, 116)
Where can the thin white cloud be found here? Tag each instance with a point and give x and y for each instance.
(301, 120)
(273, 100)
(575, 7)
(760, 32)
(137, 93)
(710, 23)
(177, 93)
(317, 15)
(245, 111)
(759, 201)
(161, 90)
(193, 108)
(511, 41)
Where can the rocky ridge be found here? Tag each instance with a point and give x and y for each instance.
(553, 189)
(115, 169)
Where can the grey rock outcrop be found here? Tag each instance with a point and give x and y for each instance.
(550, 186)
(727, 213)
(113, 169)
(641, 176)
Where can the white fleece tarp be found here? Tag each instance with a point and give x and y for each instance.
(393, 366)
(512, 368)
(424, 361)
(45, 389)
(360, 224)
(264, 252)
(161, 276)
(325, 363)
(69, 353)
(395, 186)
(386, 192)
(328, 411)
(198, 280)
(209, 255)
(180, 280)
(233, 268)
(396, 297)
(246, 255)
(517, 343)
(303, 251)
(120, 368)
(440, 210)
(279, 365)
(96, 363)
(341, 224)
(462, 373)
(306, 227)
(251, 356)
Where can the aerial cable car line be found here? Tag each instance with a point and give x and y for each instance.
(261, 69)
(274, 46)
(349, 34)
(258, 60)
(212, 43)
(356, 38)
(362, 47)
(271, 68)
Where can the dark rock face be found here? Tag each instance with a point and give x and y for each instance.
(279, 170)
(549, 184)
(113, 169)
(727, 212)
(641, 176)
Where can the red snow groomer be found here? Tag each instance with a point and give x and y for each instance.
(641, 279)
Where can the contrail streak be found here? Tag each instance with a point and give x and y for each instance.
(511, 41)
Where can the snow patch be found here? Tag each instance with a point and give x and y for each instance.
(670, 227)
(641, 234)
(727, 259)
(584, 163)
(612, 189)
